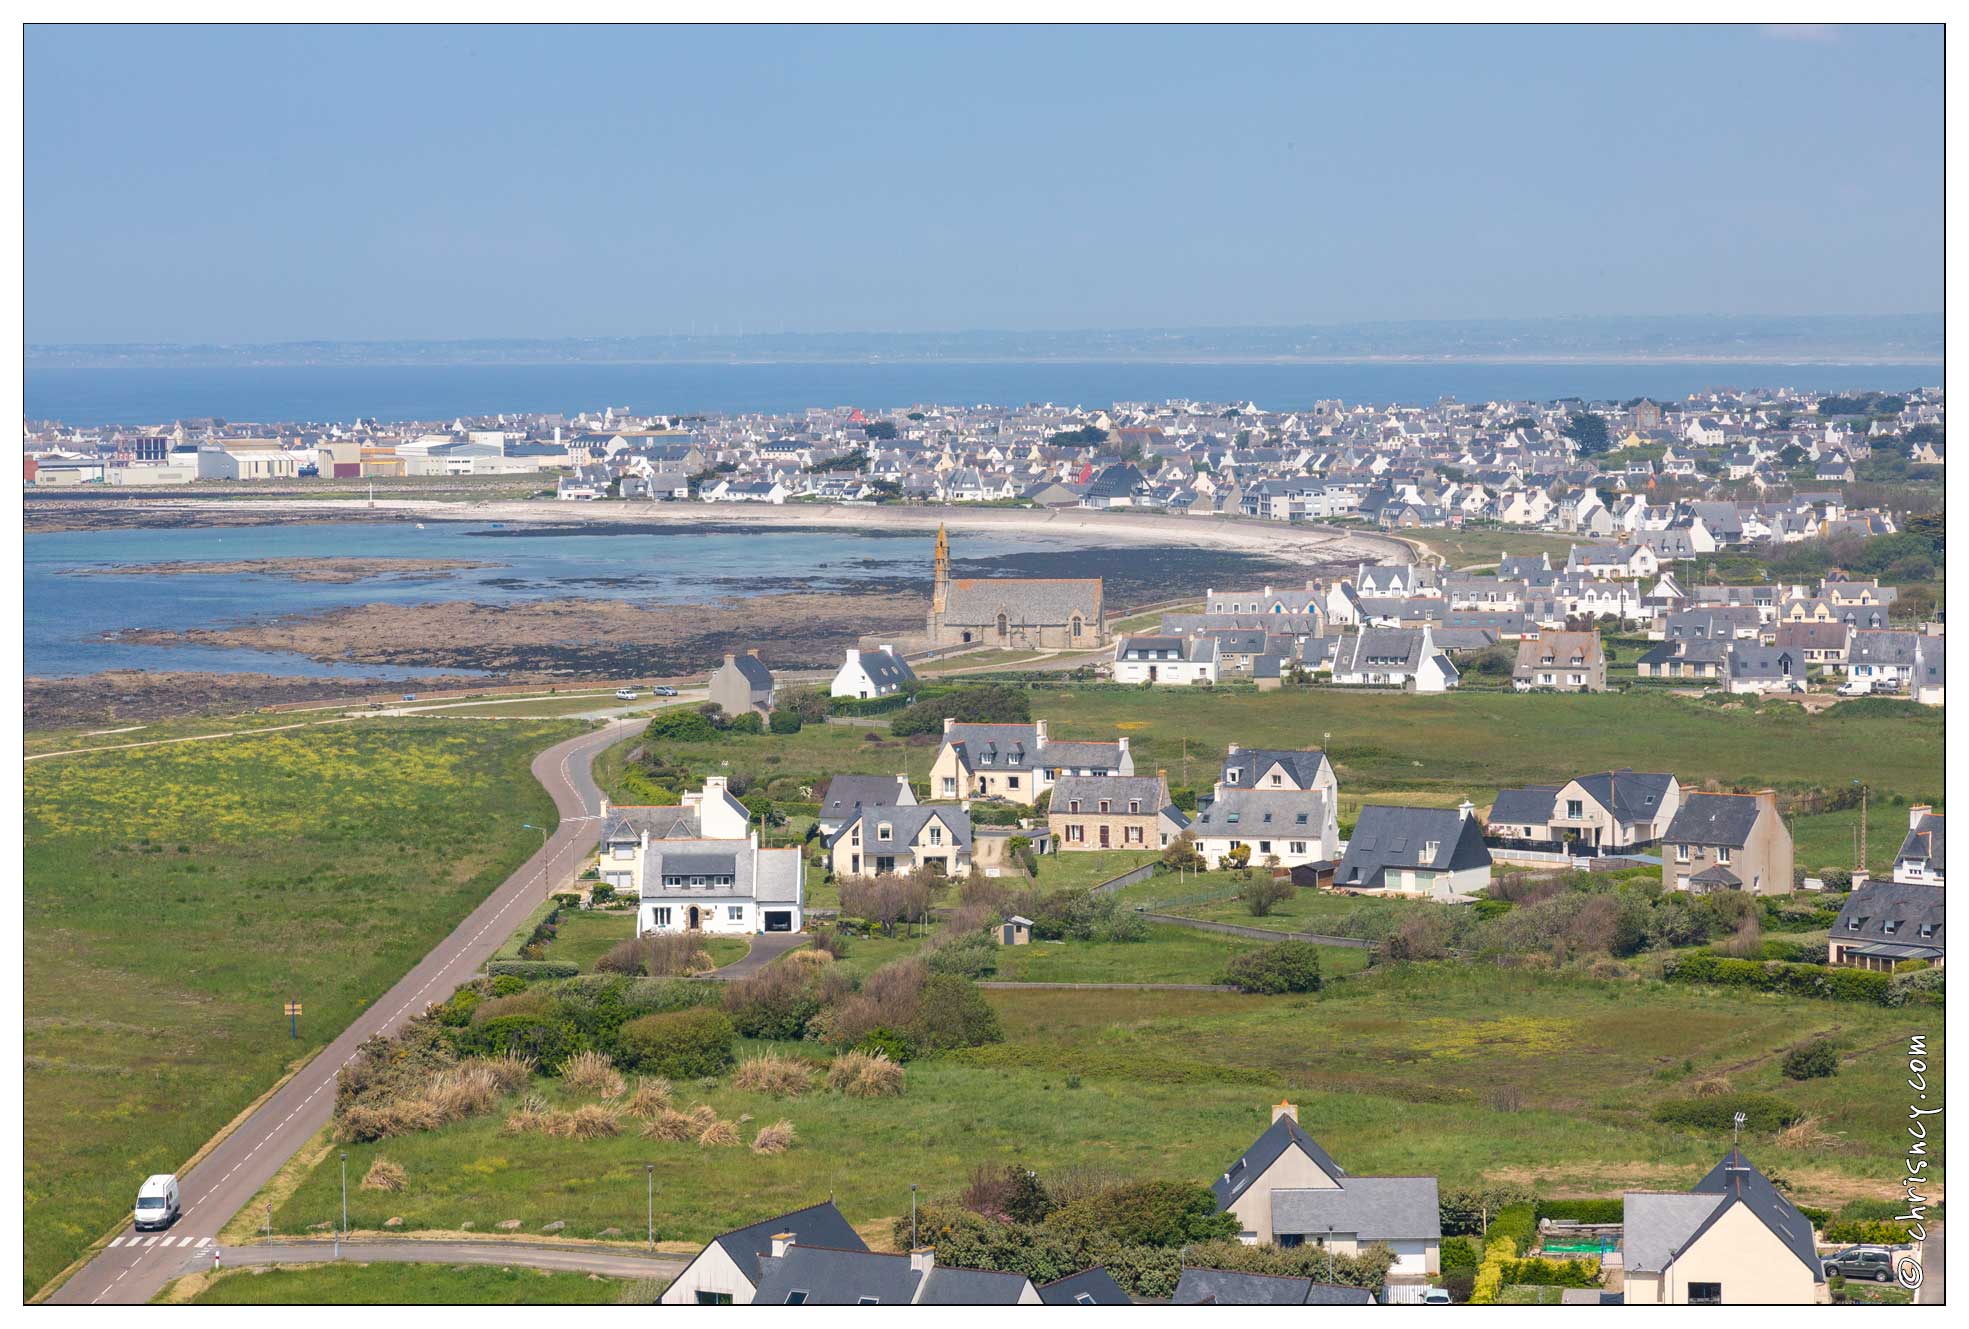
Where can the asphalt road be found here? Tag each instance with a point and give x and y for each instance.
(132, 1268)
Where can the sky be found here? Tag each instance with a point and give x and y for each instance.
(199, 184)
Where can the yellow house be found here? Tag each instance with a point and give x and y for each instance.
(1734, 1240)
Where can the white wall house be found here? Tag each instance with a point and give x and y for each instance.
(1166, 660)
(869, 674)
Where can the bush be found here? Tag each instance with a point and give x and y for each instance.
(953, 1013)
(593, 1072)
(657, 955)
(865, 1075)
(1467, 1209)
(774, 1139)
(1285, 966)
(783, 722)
(973, 955)
(748, 723)
(990, 703)
(1868, 1231)
(1459, 1253)
(777, 1003)
(1515, 1223)
(1811, 1061)
(383, 1175)
(1801, 980)
(1762, 1112)
(1552, 1273)
(684, 1045)
(1265, 893)
(1581, 1211)
(1149, 1213)
(545, 1040)
(531, 969)
(681, 724)
(775, 1074)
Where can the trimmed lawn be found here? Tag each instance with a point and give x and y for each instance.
(586, 935)
(1446, 1070)
(1310, 911)
(1082, 870)
(386, 1284)
(176, 896)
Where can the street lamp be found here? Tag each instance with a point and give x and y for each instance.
(649, 1187)
(529, 826)
(343, 1230)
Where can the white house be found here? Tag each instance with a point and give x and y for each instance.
(880, 673)
(1169, 660)
(1393, 657)
(698, 866)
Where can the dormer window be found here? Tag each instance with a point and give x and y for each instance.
(1855, 924)
(936, 834)
(1230, 776)
(885, 832)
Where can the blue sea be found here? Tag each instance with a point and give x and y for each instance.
(441, 392)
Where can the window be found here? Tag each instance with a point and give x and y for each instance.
(1574, 808)
(1890, 927)
(877, 1301)
(662, 916)
(1104, 806)
(1073, 805)
(1011, 782)
(885, 832)
(1681, 853)
(1082, 1299)
(1230, 776)
(1134, 805)
(714, 1298)
(1264, 846)
(797, 1297)
(1075, 834)
(1277, 779)
(936, 834)
(1705, 1294)
(950, 786)
(1722, 854)
(735, 912)
(1298, 846)
(1291, 1239)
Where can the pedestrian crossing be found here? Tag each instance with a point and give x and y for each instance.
(136, 1239)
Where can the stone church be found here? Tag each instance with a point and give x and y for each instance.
(1016, 613)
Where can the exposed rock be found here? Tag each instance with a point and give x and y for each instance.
(611, 1232)
(555, 1226)
(509, 1225)
(320, 1227)
(396, 1221)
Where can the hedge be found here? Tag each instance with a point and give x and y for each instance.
(684, 1045)
(1797, 980)
(1582, 1211)
(1867, 1231)
(1762, 1112)
(1517, 1223)
(895, 701)
(1553, 1273)
(532, 969)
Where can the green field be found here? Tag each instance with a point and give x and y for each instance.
(175, 897)
(1481, 546)
(1462, 1073)
(1172, 954)
(411, 1285)
(1081, 870)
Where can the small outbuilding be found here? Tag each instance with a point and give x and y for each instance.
(1015, 931)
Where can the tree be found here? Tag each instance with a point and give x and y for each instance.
(680, 724)
(1285, 966)
(1589, 431)
(1183, 855)
(1265, 893)
(883, 429)
(886, 899)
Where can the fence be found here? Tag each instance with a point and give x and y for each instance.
(1129, 878)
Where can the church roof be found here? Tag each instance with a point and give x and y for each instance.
(978, 601)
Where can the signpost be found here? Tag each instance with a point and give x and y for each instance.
(293, 1019)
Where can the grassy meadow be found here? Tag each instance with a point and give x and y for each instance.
(176, 896)
(402, 1284)
(1464, 1073)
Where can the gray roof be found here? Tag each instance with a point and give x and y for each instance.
(704, 864)
(1372, 1208)
(1629, 795)
(1281, 1135)
(908, 821)
(886, 669)
(1089, 1287)
(1657, 1226)
(1392, 836)
(1713, 819)
(1145, 647)
(1906, 906)
(1530, 806)
(811, 1275)
(845, 793)
(819, 1224)
(1870, 646)
(1117, 789)
(1395, 649)
(1925, 841)
(978, 601)
(1302, 766)
(1251, 813)
(661, 823)
(1225, 1287)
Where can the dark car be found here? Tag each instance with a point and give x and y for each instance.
(1863, 1262)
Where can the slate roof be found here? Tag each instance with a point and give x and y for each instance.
(819, 1224)
(1388, 836)
(1373, 1208)
(661, 822)
(1089, 1287)
(996, 747)
(907, 822)
(1263, 814)
(1397, 650)
(1302, 766)
(887, 669)
(1281, 1135)
(1926, 841)
(1713, 819)
(1225, 1287)
(1877, 647)
(756, 675)
(1139, 647)
(978, 601)
(1906, 906)
(1529, 806)
(845, 793)
(1629, 795)
(1117, 789)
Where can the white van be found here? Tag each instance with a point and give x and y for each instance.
(157, 1202)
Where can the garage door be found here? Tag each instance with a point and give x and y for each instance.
(779, 920)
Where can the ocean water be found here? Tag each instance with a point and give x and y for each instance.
(441, 392)
(67, 615)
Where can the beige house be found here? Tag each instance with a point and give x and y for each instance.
(1113, 812)
(1016, 762)
(1286, 1190)
(1732, 842)
(877, 840)
(742, 685)
(1561, 662)
(1735, 1240)
(1615, 809)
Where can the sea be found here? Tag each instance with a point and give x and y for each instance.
(326, 394)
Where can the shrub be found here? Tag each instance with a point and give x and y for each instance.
(684, 1045)
(1811, 1061)
(529, 1116)
(593, 1072)
(1264, 893)
(1552, 1273)
(1458, 1253)
(774, 1139)
(1515, 1223)
(383, 1175)
(1284, 966)
(718, 1135)
(1762, 1112)
(1581, 1211)
(777, 1003)
(657, 955)
(886, 1043)
(539, 1039)
(748, 723)
(972, 955)
(784, 721)
(681, 724)
(865, 1075)
(590, 1121)
(775, 1074)
(1871, 1231)
(530, 969)
(669, 1124)
(1149, 1213)
(1467, 1209)
(953, 1013)
(1802, 980)
(991, 703)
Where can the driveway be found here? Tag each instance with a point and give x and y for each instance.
(766, 947)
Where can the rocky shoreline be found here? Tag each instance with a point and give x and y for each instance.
(333, 571)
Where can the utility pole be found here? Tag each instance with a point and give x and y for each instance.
(649, 1187)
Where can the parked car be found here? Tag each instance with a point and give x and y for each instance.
(1855, 687)
(625, 694)
(157, 1202)
(663, 692)
(1436, 1296)
(1866, 1262)
(409, 696)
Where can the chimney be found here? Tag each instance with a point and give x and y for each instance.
(1285, 1108)
(922, 1259)
(781, 1240)
(854, 656)
(887, 649)
(1039, 730)
(603, 810)
(1232, 750)
(948, 722)
(730, 659)
(1914, 815)
(714, 784)
(1464, 809)
(1122, 743)
(754, 652)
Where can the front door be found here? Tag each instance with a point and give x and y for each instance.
(1104, 836)
(693, 919)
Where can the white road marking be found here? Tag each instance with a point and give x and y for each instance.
(115, 1242)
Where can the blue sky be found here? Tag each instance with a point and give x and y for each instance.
(196, 184)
